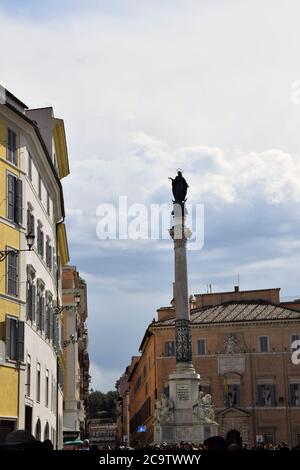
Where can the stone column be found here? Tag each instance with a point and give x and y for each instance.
(180, 235)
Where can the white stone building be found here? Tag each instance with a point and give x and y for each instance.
(44, 161)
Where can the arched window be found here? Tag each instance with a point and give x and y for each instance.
(46, 432)
(38, 430)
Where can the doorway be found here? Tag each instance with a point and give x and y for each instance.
(234, 437)
(28, 418)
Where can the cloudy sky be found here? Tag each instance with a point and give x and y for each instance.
(145, 87)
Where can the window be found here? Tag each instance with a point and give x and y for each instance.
(263, 344)
(28, 376)
(12, 154)
(12, 262)
(232, 395)
(38, 382)
(47, 388)
(40, 187)
(266, 395)
(40, 311)
(294, 337)
(40, 240)
(48, 203)
(14, 199)
(169, 348)
(30, 299)
(14, 339)
(201, 347)
(48, 316)
(55, 333)
(30, 167)
(48, 254)
(295, 394)
(30, 221)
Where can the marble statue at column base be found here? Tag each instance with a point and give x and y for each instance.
(187, 414)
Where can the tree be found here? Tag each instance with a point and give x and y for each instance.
(103, 404)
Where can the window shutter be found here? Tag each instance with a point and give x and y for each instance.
(10, 197)
(273, 396)
(38, 311)
(47, 319)
(51, 323)
(50, 257)
(43, 313)
(259, 395)
(55, 332)
(28, 220)
(42, 244)
(19, 202)
(8, 338)
(33, 306)
(28, 298)
(12, 274)
(32, 227)
(20, 341)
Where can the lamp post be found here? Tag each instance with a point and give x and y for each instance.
(30, 241)
(71, 340)
(59, 309)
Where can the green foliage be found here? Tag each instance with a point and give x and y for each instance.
(103, 405)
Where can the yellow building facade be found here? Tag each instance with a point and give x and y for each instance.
(9, 305)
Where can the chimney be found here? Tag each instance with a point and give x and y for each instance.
(236, 288)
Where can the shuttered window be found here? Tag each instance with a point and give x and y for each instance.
(48, 254)
(48, 321)
(30, 299)
(12, 154)
(295, 394)
(30, 222)
(266, 395)
(40, 311)
(14, 199)
(14, 339)
(169, 348)
(30, 167)
(201, 347)
(12, 261)
(40, 241)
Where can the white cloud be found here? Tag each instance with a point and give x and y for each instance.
(147, 87)
(104, 379)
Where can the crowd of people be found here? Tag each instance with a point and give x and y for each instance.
(23, 440)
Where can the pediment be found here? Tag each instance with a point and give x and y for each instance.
(233, 412)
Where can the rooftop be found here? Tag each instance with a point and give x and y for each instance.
(237, 312)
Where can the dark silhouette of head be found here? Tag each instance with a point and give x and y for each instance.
(21, 440)
(215, 443)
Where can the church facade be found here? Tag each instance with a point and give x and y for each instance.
(243, 344)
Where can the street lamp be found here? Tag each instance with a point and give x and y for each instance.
(58, 310)
(71, 340)
(30, 241)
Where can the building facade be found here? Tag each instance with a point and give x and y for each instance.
(76, 358)
(102, 433)
(123, 419)
(243, 344)
(34, 159)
